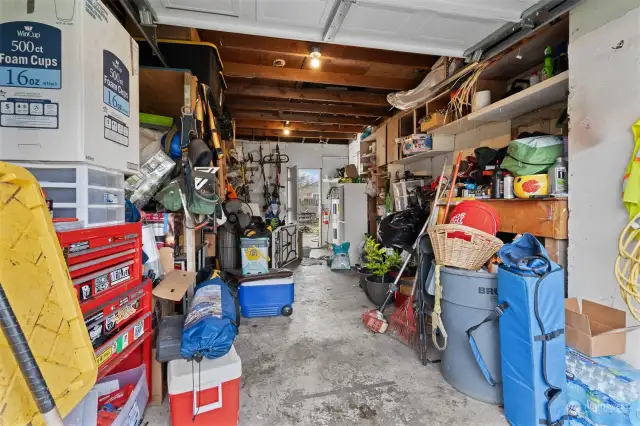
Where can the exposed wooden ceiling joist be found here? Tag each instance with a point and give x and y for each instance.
(234, 69)
(294, 133)
(315, 127)
(262, 105)
(303, 48)
(327, 95)
(302, 118)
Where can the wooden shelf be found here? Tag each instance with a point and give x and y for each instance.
(442, 144)
(369, 139)
(418, 157)
(455, 127)
(368, 155)
(543, 94)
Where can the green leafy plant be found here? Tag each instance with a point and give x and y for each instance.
(379, 262)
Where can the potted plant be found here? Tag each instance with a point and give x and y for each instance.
(379, 262)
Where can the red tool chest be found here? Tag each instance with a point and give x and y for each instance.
(105, 265)
(103, 262)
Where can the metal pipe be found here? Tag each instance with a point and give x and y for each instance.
(27, 363)
(154, 47)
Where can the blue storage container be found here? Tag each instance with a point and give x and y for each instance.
(266, 297)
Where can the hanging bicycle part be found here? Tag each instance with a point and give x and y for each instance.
(277, 159)
(265, 183)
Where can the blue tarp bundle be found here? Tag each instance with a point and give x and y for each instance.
(211, 324)
(532, 343)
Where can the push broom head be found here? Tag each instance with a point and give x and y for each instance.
(374, 321)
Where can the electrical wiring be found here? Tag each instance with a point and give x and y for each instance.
(627, 267)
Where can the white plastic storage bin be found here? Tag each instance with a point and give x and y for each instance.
(69, 79)
(94, 195)
(401, 191)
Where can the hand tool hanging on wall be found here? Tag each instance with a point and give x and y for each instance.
(209, 119)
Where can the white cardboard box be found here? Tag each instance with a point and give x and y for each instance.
(68, 84)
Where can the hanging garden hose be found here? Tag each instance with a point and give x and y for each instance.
(627, 267)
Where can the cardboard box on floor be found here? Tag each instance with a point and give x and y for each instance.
(596, 330)
(158, 380)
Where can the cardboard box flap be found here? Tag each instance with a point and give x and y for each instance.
(572, 304)
(174, 285)
(597, 328)
(166, 259)
(614, 318)
(577, 321)
(622, 330)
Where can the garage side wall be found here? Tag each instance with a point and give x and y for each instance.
(604, 102)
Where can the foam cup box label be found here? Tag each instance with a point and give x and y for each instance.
(68, 84)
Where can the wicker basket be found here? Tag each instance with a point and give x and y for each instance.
(459, 252)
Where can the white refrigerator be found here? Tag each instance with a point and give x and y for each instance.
(352, 217)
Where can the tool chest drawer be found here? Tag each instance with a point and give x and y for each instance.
(109, 319)
(103, 262)
(122, 343)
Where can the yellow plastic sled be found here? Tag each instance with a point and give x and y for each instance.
(34, 276)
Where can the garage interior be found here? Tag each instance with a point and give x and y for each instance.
(320, 212)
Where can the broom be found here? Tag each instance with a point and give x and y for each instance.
(374, 319)
(403, 321)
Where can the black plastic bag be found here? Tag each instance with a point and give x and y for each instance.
(401, 229)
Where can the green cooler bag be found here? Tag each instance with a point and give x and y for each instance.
(531, 156)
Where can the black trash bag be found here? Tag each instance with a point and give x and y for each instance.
(401, 229)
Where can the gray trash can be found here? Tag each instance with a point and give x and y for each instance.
(468, 297)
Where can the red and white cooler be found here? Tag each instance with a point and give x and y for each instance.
(207, 393)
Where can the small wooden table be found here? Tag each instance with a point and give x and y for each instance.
(547, 218)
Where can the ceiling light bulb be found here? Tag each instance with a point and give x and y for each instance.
(315, 57)
(286, 132)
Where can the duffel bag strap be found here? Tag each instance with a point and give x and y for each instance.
(559, 422)
(494, 315)
(549, 336)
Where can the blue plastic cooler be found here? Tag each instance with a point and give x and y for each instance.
(266, 297)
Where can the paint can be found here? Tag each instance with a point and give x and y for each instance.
(507, 187)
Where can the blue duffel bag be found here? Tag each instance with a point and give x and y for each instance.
(532, 342)
(211, 325)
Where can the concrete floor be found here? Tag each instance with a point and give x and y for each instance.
(322, 367)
